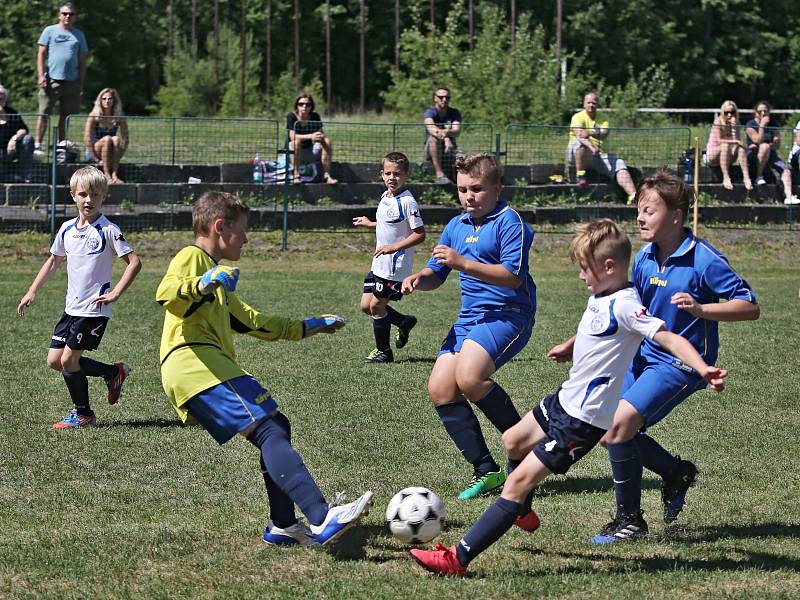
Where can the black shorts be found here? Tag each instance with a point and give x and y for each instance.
(382, 288)
(568, 439)
(78, 333)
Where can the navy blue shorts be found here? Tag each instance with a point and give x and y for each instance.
(568, 439)
(231, 407)
(382, 288)
(774, 161)
(655, 389)
(79, 333)
(503, 334)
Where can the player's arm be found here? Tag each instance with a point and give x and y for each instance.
(364, 222)
(681, 348)
(49, 267)
(732, 310)
(417, 236)
(424, 281)
(247, 320)
(492, 274)
(562, 352)
(134, 265)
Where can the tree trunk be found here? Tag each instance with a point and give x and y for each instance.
(268, 57)
(362, 23)
(328, 81)
(297, 45)
(397, 34)
(194, 29)
(513, 25)
(471, 25)
(170, 29)
(433, 14)
(243, 69)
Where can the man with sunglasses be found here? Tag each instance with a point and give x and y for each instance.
(442, 127)
(61, 66)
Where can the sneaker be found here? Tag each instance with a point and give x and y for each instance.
(340, 518)
(443, 180)
(529, 522)
(401, 339)
(761, 181)
(379, 356)
(483, 484)
(73, 420)
(673, 490)
(792, 200)
(621, 529)
(115, 384)
(295, 535)
(37, 151)
(441, 560)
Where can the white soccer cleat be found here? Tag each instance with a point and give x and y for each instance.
(340, 518)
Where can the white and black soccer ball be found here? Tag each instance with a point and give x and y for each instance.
(415, 515)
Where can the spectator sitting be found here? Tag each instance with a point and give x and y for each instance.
(106, 133)
(15, 142)
(305, 126)
(724, 147)
(794, 163)
(442, 127)
(763, 141)
(586, 138)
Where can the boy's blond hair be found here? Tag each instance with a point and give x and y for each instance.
(216, 205)
(89, 178)
(598, 240)
(483, 165)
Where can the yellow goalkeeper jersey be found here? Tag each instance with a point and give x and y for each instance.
(197, 350)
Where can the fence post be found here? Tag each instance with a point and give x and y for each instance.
(286, 183)
(394, 137)
(696, 183)
(174, 124)
(54, 137)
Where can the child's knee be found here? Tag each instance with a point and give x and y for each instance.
(54, 362)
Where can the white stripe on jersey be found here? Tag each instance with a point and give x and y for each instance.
(609, 334)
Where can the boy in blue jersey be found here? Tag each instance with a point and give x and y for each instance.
(567, 424)
(204, 382)
(398, 228)
(681, 279)
(488, 244)
(89, 243)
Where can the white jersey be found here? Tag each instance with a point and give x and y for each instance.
(90, 255)
(609, 335)
(795, 147)
(396, 217)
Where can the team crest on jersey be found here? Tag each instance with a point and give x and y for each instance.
(597, 324)
(471, 239)
(93, 244)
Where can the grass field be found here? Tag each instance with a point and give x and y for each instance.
(143, 507)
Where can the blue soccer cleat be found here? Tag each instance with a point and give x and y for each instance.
(340, 518)
(73, 421)
(294, 535)
(621, 529)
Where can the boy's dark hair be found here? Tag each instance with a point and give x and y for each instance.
(483, 165)
(598, 240)
(398, 158)
(216, 205)
(669, 187)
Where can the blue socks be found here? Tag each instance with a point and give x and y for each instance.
(94, 368)
(381, 328)
(626, 467)
(654, 457)
(464, 429)
(286, 477)
(78, 387)
(498, 408)
(490, 527)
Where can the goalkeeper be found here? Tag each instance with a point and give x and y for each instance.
(203, 381)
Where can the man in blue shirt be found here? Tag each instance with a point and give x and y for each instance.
(442, 127)
(61, 66)
(488, 245)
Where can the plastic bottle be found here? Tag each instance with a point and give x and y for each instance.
(688, 168)
(258, 172)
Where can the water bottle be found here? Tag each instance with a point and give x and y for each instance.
(258, 172)
(688, 168)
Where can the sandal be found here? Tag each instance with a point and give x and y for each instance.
(329, 180)
(297, 179)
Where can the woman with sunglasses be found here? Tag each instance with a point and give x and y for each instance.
(306, 138)
(724, 146)
(763, 140)
(106, 133)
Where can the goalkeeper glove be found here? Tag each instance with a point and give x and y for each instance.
(323, 324)
(227, 277)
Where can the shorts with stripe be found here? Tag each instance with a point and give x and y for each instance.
(382, 288)
(231, 407)
(503, 334)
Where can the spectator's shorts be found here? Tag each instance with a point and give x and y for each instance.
(452, 153)
(67, 94)
(602, 163)
(774, 161)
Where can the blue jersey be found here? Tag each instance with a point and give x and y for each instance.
(502, 238)
(701, 270)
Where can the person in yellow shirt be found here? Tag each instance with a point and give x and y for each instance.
(205, 384)
(587, 135)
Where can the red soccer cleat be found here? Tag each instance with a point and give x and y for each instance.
(441, 560)
(115, 385)
(529, 522)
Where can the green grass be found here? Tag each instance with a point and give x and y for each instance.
(143, 507)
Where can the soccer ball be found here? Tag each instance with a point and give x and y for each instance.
(415, 515)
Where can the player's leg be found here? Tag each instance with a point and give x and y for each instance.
(66, 347)
(381, 326)
(519, 441)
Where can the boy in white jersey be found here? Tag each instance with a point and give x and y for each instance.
(398, 228)
(89, 243)
(570, 422)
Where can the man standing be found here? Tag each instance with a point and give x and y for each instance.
(61, 77)
(442, 127)
(586, 138)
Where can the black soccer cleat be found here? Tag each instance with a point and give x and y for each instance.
(673, 490)
(401, 339)
(621, 529)
(379, 356)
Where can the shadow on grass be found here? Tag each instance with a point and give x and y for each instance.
(580, 485)
(154, 423)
